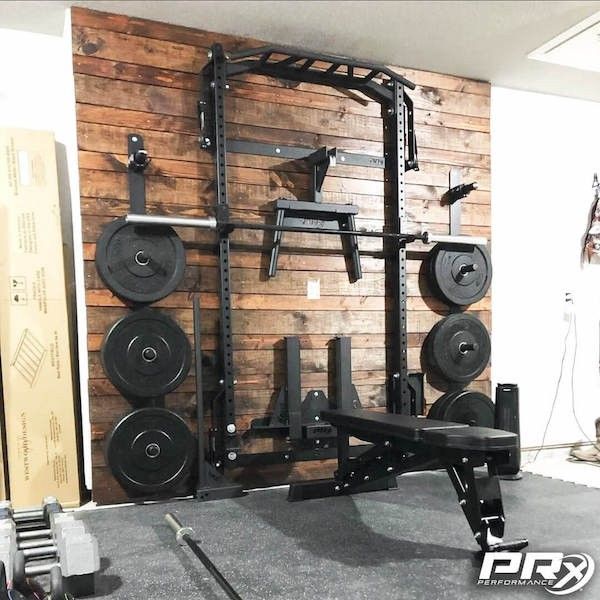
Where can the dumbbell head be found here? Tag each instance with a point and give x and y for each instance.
(64, 522)
(78, 554)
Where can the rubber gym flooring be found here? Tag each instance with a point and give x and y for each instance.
(412, 542)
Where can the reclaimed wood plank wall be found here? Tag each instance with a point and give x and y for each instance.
(133, 75)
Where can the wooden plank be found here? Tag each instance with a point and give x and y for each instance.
(82, 17)
(297, 96)
(263, 342)
(272, 360)
(93, 137)
(261, 322)
(134, 96)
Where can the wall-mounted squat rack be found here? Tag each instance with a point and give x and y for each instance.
(378, 83)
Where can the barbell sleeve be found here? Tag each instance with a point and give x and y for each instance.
(468, 240)
(201, 223)
(183, 536)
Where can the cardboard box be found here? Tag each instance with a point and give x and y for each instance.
(39, 397)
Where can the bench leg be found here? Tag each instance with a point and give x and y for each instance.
(481, 500)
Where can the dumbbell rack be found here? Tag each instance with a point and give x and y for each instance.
(30, 539)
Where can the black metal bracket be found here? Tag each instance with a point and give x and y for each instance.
(321, 160)
(346, 396)
(456, 192)
(301, 153)
(416, 385)
(137, 162)
(312, 216)
(299, 420)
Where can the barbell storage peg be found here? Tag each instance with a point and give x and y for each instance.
(470, 268)
(138, 160)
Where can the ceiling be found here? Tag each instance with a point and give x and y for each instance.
(487, 40)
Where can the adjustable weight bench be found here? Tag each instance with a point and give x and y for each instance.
(402, 444)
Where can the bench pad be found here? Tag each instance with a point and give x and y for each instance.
(441, 434)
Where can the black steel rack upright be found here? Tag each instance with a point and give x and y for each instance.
(376, 82)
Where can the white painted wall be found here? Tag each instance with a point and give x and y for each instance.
(36, 92)
(545, 150)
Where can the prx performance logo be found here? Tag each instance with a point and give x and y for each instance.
(558, 573)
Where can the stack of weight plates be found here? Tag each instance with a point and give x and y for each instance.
(146, 355)
(457, 349)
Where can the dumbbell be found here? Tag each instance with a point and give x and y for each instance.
(22, 571)
(57, 521)
(74, 550)
(50, 506)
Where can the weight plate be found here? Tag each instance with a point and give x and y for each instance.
(470, 408)
(146, 354)
(437, 408)
(140, 263)
(460, 274)
(150, 450)
(459, 347)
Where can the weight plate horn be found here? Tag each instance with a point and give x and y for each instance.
(146, 354)
(459, 274)
(139, 263)
(458, 347)
(150, 450)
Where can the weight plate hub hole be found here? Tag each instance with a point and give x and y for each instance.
(141, 258)
(150, 450)
(458, 348)
(149, 354)
(146, 354)
(140, 264)
(459, 275)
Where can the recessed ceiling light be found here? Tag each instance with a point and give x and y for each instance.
(578, 47)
